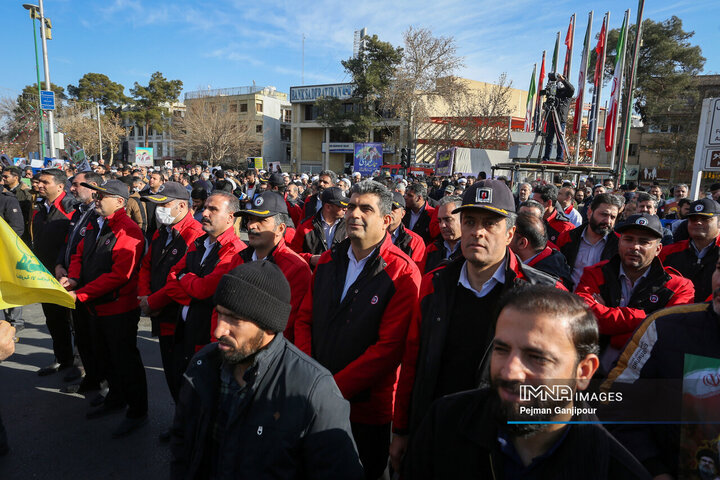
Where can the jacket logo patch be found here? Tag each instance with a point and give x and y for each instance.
(641, 221)
(107, 242)
(260, 430)
(483, 195)
(654, 298)
(82, 231)
(161, 188)
(174, 252)
(259, 201)
(699, 207)
(374, 300)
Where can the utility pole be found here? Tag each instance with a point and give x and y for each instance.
(302, 79)
(51, 115)
(99, 130)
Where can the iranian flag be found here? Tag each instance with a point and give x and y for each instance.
(530, 102)
(616, 89)
(582, 80)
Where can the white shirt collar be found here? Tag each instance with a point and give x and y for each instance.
(498, 277)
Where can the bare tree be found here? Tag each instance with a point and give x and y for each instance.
(213, 132)
(425, 76)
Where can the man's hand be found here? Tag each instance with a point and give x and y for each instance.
(560, 77)
(314, 260)
(144, 306)
(60, 272)
(73, 294)
(7, 339)
(398, 447)
(68, 283)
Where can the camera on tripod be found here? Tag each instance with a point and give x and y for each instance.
(550, 91)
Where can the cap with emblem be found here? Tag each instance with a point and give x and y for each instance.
(491, 195)
(334, 196)
(276, 180)
(398, 200)
(706, 207)
(642, 221)
(449, 189)
(110, 187)
(167, 192)
(267, 204)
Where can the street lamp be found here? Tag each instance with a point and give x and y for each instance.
(41, 131)
(34, 9)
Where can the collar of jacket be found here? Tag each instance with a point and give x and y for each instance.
(187, 219)
(340, 251)
(656, 271)
(228, 236)
(116, 216)
(557, 216)
(541, 256)
(247, 253)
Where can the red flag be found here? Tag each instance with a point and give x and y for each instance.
(582, 80)
(569, 38)
(599, 51)
(538, 104)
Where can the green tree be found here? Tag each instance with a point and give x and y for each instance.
(372, 72)
(151, 102)
(98, 88)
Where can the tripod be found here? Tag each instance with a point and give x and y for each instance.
(551, 114)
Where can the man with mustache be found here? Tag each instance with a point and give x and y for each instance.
(252, 405)
(622, 291)
(543, 337)
(590, 243)
(454, 324)
(355, 318)
(267, 222)
(651, 369)
(447, 247)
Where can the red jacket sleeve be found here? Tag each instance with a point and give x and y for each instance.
(418, 254)
(434, 224)
(144, 275)
(300, 278)
(303, 319)
(383, 357)
(126, 255)
(76, 261)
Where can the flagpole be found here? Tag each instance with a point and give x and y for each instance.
(626, 21)
(581, 101)
(631, 87)
(530, 102)
(570, 47)
(556, 52)
(598, 92)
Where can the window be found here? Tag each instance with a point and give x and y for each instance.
(243, 107)
(233, 108)
(258, 128)
(285, 134)
(633, 150)
(311, 112)
(287, 116)
(141, 131)
(258, 107)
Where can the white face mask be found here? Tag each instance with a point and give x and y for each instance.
(164, 216)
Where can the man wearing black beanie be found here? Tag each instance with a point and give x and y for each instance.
(252, 405)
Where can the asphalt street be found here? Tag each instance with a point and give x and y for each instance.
(49, 436)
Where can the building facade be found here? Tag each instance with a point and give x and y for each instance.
(162, 142)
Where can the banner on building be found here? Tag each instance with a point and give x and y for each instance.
(444, 162)
(144, 156)
(368, 158)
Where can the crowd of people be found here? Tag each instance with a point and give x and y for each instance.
(373, 323)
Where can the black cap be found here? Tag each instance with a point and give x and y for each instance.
(492, 195)
(398, 200)
(714, 187)
(706, 207)
(110, 187)
(642, 221)
(276, 180)
(266, 204)
(167, 192)
(334, 196)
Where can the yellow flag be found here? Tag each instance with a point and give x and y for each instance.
(23, 279)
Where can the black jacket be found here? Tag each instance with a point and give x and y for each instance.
(83, 216)
(569, 245)
(294, 426)
(683, 258)
(459, 439)
(435, 254)
(564, 95)
(25, 200)
(50, 227)
(553, 263)
(11, 212)
(422, 226)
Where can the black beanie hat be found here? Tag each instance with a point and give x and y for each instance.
(256, 291)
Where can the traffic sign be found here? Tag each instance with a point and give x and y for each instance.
(47, 99)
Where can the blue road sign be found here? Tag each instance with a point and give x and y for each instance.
(47, 99)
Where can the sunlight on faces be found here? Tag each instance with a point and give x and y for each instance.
(238, 338)
(106, 205)
(325, 182)
(397, 215)
(47, 188)
(602, 219)
(702, 228)
(638, 248)
(484, 236)
(216, 216)
(524, 192)
(363, 219)
(83, 194)
(449, 223)
(263, 233)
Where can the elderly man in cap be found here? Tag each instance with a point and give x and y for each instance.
(323, 230)
(622, 291)
(267, 222)
(695, 258)
(454, 324)
(406, 240)
(176, 232)
(103, 276)
(254, 406)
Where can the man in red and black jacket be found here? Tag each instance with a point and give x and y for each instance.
(355, 318)
(421, 218)
(266, 224)
(447, 246)
(622, 291)
(556, 222)
(177, 229)
(454, 324)
(324, 230)
(49, 229)
(191, 283)
(103, 276)
(409, 242)
(695, 258)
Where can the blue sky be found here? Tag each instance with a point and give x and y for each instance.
(229, 43)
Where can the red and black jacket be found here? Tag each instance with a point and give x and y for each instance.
(309, 237)
(81, 218)
(426, 337)
(106, 265)
(556, 224)
(156, 266)
(296, 271)
(435, 254)
(427, 224)
(683, 258)
(569, 244)
(662, 287)
(49, 229)
(295, 210)
(553, 263)
(412, 245)
(361, 338)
